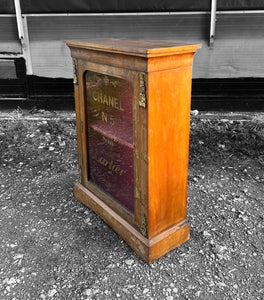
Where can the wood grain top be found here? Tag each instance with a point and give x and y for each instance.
(134, 47)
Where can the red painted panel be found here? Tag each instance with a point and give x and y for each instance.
(110, 136)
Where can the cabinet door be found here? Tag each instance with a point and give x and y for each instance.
(109, 110)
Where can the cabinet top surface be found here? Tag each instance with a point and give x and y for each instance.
(134, 47)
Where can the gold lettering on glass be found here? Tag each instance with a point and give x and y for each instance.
(110, 136)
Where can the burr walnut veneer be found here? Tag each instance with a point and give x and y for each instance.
(132, 108)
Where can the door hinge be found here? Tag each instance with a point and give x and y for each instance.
(81, 126)
(142, 91)
(144, 226)
(75, 68)
(80, 174)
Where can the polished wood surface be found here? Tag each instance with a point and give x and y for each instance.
(134, 47)
(148, 249)
(162, 76)
(169, 97)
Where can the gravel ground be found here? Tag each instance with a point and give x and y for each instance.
(53, 247)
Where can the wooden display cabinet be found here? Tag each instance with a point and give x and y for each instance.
(133, 111)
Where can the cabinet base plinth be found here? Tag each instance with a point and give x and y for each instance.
(148, 249)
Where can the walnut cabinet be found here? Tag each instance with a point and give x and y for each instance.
(132, 101)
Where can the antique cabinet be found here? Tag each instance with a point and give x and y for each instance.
(132, 109)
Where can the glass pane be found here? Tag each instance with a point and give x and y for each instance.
(110, 136)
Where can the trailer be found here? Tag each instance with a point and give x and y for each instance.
(35, 64)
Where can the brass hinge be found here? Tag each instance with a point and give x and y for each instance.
(75, 68)
(142, 91)
(143, 227)
(80, 174)
(145, 157)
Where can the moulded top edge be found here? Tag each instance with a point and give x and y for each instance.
(134, 47)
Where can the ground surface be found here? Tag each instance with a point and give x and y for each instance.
(52, 247)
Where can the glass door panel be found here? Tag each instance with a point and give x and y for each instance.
(110, 136)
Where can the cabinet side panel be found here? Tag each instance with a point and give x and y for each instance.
(78, 127)
(168, 124)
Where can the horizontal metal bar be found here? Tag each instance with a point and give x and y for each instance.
(14, 98)
(11, 55)
(147, 13)
(239, 12)
(7, 15)
(223, 12)
(117, 14)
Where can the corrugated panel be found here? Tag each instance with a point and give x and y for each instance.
(9, 41)
(49, 87)
(12, 88)
(50, 57)
(237, 50)
(7, 69)
(51, 6)
(7, 7)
